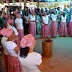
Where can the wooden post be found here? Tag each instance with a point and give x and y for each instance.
(47, 48)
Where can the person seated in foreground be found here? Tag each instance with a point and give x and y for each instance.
(29, 60)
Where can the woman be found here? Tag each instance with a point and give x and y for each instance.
(32, 25)
(30, 60)
(19, 26)
(63, 28)
(7, 16)
(45, 31)
(10, 26)
(54, 24)
(3, 39)
(26, 25)
(70, 26)
(11, 47)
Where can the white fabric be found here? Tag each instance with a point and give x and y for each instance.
(32, 18)
(19, 23)
(3, 44)
(45, 19)
(30, 62)
(27, 18)
(63, 19)
(54, 17)
(10, 45)
(12, 27)
(71, 19)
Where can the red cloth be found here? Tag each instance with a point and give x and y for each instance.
(6, 62)
(45, 31)
(63, 29)
(14, 64)
(54, 29)
(70, 29)
(32, 29)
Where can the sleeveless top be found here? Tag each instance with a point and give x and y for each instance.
(71, 19)
(54, 17)
(45, 19)
(27, 18)
(32, 18)
(63, 19)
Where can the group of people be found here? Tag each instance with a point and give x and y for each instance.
(17, 47)
(43, 22)
(18, 32)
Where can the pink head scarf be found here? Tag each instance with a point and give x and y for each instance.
(6, 16)
(18, 14)
(32, 11)
(27, 41)
(6, 32)
(10, 21)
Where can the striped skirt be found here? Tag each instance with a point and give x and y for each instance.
(32, 29)
(45, 30)
(63, 29)
(20, 35)
(6, 62)
(54, 29)
(70, 29)
(14, 64)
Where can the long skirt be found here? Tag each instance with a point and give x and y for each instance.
(45, 30)
(6, 61)
(32, 29)
(54, 29)
(20, 35)
(14, 64)
(70, 29)
(63, 29)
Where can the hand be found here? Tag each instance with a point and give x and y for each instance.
(16, 38)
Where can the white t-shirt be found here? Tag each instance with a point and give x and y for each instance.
(3, 44)
(30, 62)
(45, 19)
(10, 45)
(54, 17)
(12, 27)
(19, 23)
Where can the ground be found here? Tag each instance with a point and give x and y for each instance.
(61, 60)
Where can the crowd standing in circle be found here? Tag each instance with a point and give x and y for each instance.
(18, 32)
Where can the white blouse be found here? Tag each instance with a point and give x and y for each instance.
(19, 23)
(12, 27)
(3, 44)
(32, 18)
(30, 62)
(63, 19)
(54, 17)
(45, 19)
(10, 45)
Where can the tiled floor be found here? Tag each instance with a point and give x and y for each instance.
(62, 55)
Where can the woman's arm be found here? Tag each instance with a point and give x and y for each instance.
(3, 13)
(16, 49)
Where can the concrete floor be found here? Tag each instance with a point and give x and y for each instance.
(62, 55)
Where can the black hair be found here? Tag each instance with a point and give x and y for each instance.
(24, 52)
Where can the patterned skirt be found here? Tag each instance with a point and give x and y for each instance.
(14, 64)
